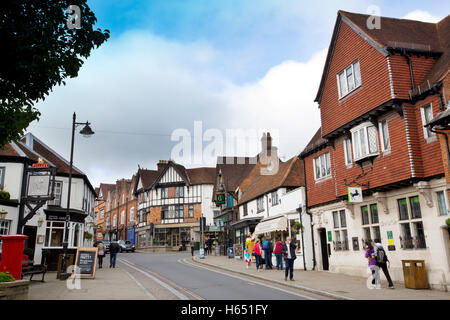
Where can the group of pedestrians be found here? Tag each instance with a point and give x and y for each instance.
(282, 250)
(377, 259)
(114, 248)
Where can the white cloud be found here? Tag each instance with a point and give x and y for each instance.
(138, 88)
(421, 15)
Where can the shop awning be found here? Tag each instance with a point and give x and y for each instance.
(277, 224)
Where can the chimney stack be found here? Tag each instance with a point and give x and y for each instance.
(161, 165)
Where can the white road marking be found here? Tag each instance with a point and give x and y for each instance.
(184, 261)
(152, 297)
(165, 285)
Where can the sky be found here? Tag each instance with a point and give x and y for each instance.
(199, 68)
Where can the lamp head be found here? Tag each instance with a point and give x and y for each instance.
(87, 131)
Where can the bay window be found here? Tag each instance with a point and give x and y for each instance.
(55, 232)
(365, 141)
(349, 79)
(322, 166)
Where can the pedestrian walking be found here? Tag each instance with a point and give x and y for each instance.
(257, 251)
(270, 254)
(372, 265)
(266, 248)
(278, 255)
(114, 248)
(247, 258)
(101, 253)
(382, 260)
(288, 251)
(192, 249)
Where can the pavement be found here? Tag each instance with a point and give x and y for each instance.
(109, 284)
(332, 285)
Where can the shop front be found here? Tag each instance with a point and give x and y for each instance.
(241, 229)
(168, 237)
(55, 232)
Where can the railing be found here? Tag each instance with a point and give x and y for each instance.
(413, 242)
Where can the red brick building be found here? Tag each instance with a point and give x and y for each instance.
(378, 89)
(116, 210)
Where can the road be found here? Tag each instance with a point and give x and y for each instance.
(176, 276)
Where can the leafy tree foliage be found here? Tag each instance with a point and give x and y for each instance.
(39, 51)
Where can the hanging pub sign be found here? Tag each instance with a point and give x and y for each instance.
(355, 194)
(220, 198)
(86, 261)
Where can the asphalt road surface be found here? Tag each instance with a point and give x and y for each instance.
(175, 276)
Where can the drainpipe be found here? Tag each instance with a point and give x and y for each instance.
(299, 209)
(311, 219)
(411, 73)
(446, 142)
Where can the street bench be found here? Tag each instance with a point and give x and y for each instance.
(32, 269)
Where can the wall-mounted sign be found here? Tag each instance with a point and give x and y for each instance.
(390, 236)
(355, 194)
(38, 185)
(329, 236)
(220, 198)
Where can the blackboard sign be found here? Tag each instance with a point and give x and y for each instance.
(86, 261)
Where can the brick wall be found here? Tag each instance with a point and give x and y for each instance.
(375, 84)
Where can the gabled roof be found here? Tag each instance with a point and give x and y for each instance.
(147, 177)
(18, 150)
(408, 35)
(256, 184)
(203, 175)
(314, 144)
(106, 188)
(51, 156)
(233, 170)
(62, 165)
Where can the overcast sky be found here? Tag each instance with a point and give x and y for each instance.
(229, 64)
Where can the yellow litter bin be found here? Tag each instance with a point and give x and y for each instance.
(415, 274)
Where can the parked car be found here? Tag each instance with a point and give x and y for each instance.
(126, 245)
(106, 243)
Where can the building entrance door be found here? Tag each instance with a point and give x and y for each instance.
(324, 248)
(175, 238)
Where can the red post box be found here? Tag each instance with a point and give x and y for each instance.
(12, 254)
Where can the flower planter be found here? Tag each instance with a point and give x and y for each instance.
(15, 290)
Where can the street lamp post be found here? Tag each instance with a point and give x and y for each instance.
(86, 131)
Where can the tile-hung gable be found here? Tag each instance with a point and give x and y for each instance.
(379, 65)
(379, 90)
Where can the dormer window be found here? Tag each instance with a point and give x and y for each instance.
(365, 141)
(349, 79)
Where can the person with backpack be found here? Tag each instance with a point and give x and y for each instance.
(369, 255)
(278, 255)
(267, 253)
(382, 260)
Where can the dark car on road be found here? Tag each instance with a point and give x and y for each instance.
(106, 243)
(126, 245)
